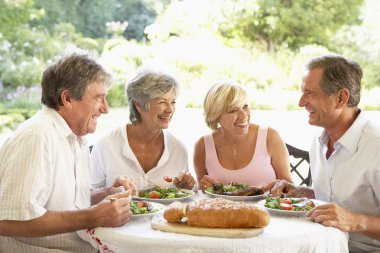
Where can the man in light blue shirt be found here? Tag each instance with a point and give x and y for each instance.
(345, 158)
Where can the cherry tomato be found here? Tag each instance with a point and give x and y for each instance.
(285, 206)
(154, 195)
(168, 179)
(141, 204)
(286, 201)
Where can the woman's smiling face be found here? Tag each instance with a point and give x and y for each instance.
(236, 120)
(161, 111)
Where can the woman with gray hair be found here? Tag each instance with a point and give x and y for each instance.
(143, 149)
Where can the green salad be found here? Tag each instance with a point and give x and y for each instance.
(235, 189)
(220, 188)
(141, 207)
(157, 192)
(289, 204)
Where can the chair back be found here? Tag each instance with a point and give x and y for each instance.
(300, 164)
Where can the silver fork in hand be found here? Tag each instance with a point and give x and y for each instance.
(118, 189)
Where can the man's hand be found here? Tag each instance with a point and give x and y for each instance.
(332, 215)
(108, 213)
(281, 186)
(113, 211)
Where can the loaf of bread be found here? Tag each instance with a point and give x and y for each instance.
(217, 213)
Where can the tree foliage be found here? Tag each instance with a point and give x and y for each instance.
(13, 14)
(139, 14)
(288, 22)
(90, 17)
(200, 41)
(362, 44)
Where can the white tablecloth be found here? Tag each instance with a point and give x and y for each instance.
(283, 234)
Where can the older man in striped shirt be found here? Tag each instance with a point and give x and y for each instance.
(44, 171)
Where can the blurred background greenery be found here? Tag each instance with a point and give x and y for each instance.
(262, 44)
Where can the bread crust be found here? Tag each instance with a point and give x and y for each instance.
(218, 213)
(175, 212)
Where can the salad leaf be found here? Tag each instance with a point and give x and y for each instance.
(141, 207)
(296, 204)
(163, 193)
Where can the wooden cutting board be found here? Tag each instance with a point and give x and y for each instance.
(159, 223)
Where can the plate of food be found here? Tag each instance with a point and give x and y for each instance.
(163, 194)
(145, 209)
(236, 191)
(289, 206)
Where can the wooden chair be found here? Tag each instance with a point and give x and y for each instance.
(300, 164)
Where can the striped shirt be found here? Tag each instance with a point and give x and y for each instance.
(43, 167)
(351, 175)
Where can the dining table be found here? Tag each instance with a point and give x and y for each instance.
(283, 234)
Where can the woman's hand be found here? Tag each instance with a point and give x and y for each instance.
(208, 181)
(125, 182)
(184, 180)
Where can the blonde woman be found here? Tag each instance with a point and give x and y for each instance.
(237, 150)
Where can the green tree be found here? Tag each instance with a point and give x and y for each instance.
(14, 14)
(291, 23)
(139, 14)
(93, 16)
(55, 12)
(89, 17)
(362, 44)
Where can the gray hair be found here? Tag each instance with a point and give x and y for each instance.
(339, 73)
(73, 71)
(145, 86)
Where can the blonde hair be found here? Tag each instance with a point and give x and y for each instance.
(222, 97)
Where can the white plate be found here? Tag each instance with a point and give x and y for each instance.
(165, 201)
(236, 198)
(158, 206)
(261, 203)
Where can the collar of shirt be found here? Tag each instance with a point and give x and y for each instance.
(62, 126)
(350, 139)
(127, 150)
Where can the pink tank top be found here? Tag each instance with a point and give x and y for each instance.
(257, 173)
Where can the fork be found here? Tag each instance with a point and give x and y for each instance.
(118, 189)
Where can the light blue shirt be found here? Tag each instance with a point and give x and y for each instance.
(351, 175)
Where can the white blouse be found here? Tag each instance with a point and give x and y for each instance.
(112, 156)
